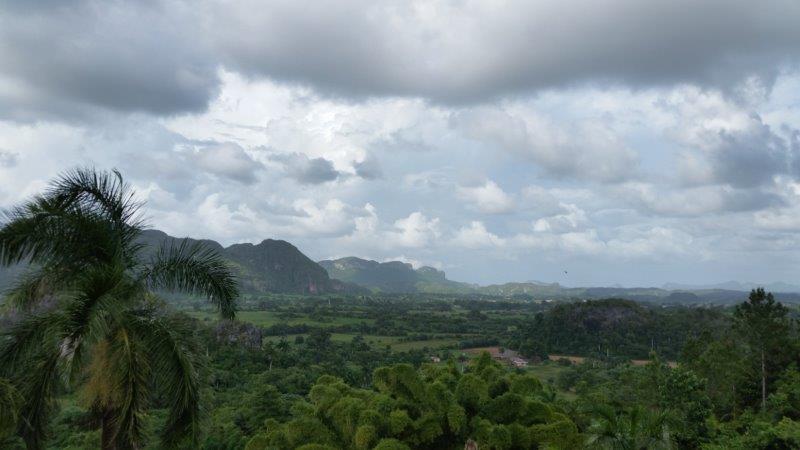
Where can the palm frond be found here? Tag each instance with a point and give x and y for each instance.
(10, 400)
(30, 352)
(175, 366)
(195, 269)
(44, 233)
(86, 211)
(131, 377)
(21, 342)
(28, 231)
(38, 384)
(102, 191)
(34, 286)
(103, 294)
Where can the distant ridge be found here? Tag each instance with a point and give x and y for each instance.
(276, 266)
(270, 266)
(400, 277)
(736, 286)
(392, 276)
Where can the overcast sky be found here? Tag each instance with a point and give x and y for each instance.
(625, 142)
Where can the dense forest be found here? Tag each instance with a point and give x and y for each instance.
(107, 343)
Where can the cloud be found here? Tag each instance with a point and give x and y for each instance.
(697, 201)
(747, 155)
(572, 219)
(8, 159)
(487, 198)
(629, 243)
(368, 169)
(163, 57)
(415, 263)
(415, 231)
(66, 61)
(476, 236)
(228, 160)
(632, 183)
(586, 150)
(786, 220)
(727, 142)
(333, 218)
(471, 51)
(307, 170)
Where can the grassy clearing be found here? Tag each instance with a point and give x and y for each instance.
(394, 342)
(431, 343)
(546, 371)
(269, 318)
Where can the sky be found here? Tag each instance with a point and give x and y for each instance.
(586, 142)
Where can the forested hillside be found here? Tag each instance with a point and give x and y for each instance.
(271, 266)
(392, 276)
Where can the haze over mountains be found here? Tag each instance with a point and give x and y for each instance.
(277, 266)
(392, 276)
(778, 286)
(271, 266)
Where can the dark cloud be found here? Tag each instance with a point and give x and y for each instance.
(753, 157)
(369, 169)
(62, 59)
(307, 170)
(465, 52)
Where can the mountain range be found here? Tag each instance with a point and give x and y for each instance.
(276, 266)
(393, 276)
(270, 266)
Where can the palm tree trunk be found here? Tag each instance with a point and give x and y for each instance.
(107, 436)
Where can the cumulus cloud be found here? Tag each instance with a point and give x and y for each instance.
(487, 197)
(586, 150)
(415, 231)
(697, 201)
(637, 243)
(228, 160)
(476, 236)
(747, 156)
(572, 219)
(307, 170)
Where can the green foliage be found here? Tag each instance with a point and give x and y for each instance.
(471, 392)
(764, 324)
(634, 429)
(683, 394)
(391, 444)
(103, 330)
(785, 401)
(9, 404)
(615, 328)
(426, 413)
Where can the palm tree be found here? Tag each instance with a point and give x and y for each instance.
(635, 429)
(90, 317)
(9, 399)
